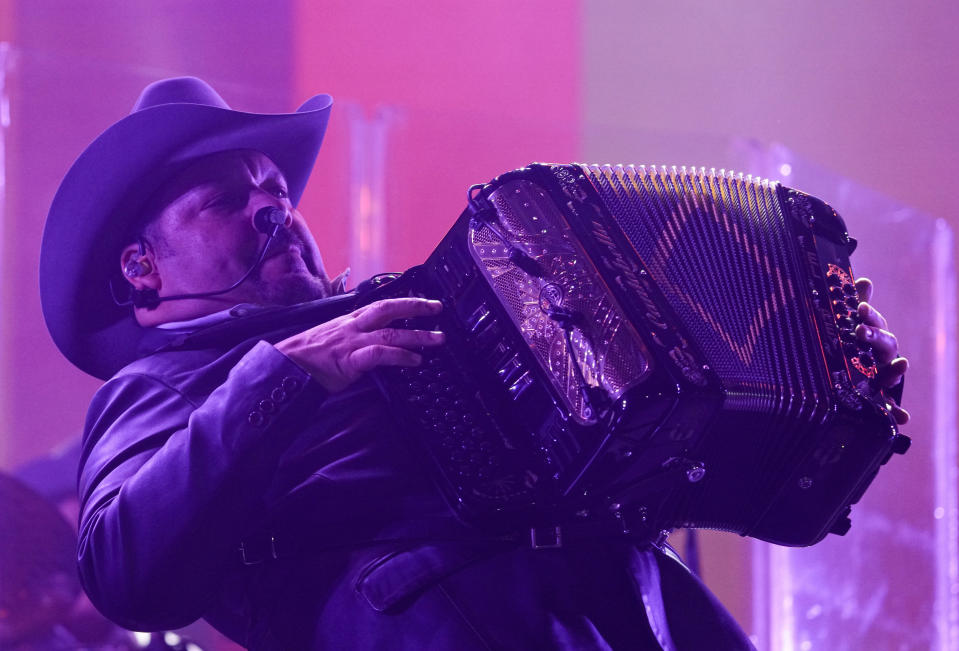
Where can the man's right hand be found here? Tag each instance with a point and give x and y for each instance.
(338, 352)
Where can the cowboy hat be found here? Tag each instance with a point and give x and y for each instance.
(102, 196)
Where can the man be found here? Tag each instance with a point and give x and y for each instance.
(240, 466)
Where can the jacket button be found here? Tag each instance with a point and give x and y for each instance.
(291, 384)
(278, 395)
(256, 419)
(266, 406)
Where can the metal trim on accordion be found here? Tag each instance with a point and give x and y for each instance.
(645, 347)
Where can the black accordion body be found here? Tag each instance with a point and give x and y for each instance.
(652, 347)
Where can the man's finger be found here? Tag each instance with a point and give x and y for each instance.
(864, 289)
(891, 374)
(871, 316)
(381, 313)
(369, 357)
(900, 415)
(885, 348)
(401, 338)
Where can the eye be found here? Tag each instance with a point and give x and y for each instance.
(280, 192)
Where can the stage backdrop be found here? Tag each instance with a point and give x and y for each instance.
(435, 96)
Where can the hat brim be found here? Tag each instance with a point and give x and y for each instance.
(84, 232)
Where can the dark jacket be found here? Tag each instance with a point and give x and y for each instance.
(214, 438)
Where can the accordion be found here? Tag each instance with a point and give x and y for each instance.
(653, 347)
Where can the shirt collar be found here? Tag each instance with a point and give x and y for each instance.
(237, 311)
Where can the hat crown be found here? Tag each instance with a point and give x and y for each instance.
(179, 90)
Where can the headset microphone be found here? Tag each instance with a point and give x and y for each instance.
(267, 220)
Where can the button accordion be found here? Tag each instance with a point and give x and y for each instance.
(653, 347)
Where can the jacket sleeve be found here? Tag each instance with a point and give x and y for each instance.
(169, 487)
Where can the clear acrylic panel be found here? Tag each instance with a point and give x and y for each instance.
(892, 582)
(51, 107)
(392, 179)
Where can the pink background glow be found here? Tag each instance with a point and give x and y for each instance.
(479, 90)
(866, 89)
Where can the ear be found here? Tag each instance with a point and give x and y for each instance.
(138, 266)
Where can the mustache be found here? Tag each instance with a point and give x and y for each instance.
(286, 238)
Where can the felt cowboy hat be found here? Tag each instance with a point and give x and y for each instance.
(102, 196)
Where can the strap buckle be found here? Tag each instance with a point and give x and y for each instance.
(249, 557)
(546, 537)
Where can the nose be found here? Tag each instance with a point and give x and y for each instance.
(269, 219)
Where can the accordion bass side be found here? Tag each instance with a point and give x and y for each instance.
(654, 347)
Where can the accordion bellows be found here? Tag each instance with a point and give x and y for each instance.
(652, 347)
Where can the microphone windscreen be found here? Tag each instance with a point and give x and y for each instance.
(267, 218)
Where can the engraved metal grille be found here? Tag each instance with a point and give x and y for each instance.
(607, 348)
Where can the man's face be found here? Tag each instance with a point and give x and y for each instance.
(206, 240)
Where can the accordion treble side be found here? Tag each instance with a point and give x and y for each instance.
(656, 347)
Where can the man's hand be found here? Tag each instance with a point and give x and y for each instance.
(338, 352)
(885, 348)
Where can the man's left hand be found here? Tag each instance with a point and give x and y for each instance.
(873, 331)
